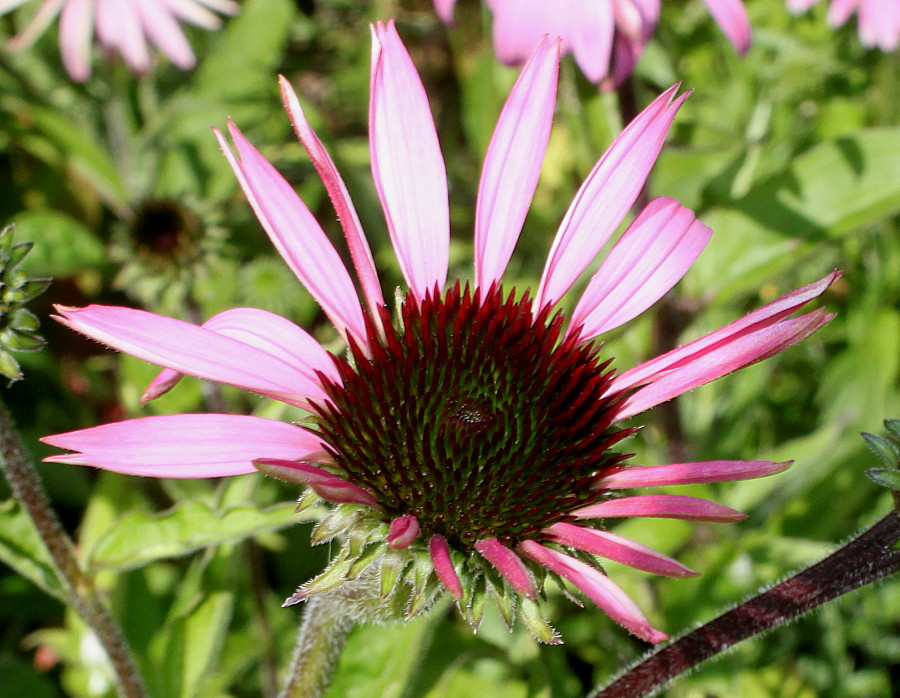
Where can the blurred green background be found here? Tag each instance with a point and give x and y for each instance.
(790, 154)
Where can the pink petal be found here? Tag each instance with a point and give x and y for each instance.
(119, 27)
(598, 588)
(325, 484)
(879, 24)
(839, 11)
(193, 350)
(164, 31)
(737, 353)
(185, 445)
(407, 165)
(267, 332)
(340, 198)
(758, 319)
(403, 531)
(297, 236)
(513, 162)
(691, 473)
(650, 258)
(617, 548)
(195, 13)
(732, 18)
(585, 26)
(443, 565)
(75, 30)
(36, 26)
(662, 506)
(635, 23)
(509, 565)
(606, 196)
(801, 5)
(444, 9)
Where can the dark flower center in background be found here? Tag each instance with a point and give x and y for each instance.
(476, 416)
(165, 232)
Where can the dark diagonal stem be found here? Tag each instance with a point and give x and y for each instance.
(83, 595)
(867, 558)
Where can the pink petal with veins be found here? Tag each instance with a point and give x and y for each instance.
(606, 196)
(183, 446)
(614, 547)
(407, 165)
(513, 162)
(661, 506)
(443, 565)
(597, 587)
(691, 473)
(509, 565)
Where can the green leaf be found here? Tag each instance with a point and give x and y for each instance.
(885, 478)
(382, 660)
(139, 538)
(887, 450)
(22, 549)
(62, 245)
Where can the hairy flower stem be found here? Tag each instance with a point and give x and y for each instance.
(868, 558)
(323, 632)
(83, 595)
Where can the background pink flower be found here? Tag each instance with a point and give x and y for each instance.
(126, 27)
(606, 38)
(879, 20)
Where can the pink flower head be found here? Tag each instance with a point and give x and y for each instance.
(474, 441)
(606, 38)
(126, 27)
(879, 20)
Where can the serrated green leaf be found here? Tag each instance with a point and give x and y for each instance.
(139, 538)
(885, 478)
(22, 549)
(9, 367)
(893, 427)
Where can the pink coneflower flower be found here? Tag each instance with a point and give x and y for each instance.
(470, 443)
(126, 27)
(879, 20)
(606, 38)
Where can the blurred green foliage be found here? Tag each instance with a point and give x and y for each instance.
(790, 154)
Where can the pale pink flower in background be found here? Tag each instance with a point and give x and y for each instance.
(126, 27)
(475, 434)
(879, 20)
(605, 37)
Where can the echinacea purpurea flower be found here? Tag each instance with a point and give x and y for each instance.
(605, 38)
(878, 20)
(470, 443)
(125, 27)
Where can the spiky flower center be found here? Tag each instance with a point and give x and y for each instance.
(476, 415)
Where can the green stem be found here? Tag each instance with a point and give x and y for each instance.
(865, 559)
(83, 595)
(323, 632)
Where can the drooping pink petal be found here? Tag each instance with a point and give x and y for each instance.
(839, 11)
(267, 332)
(443, 565)
(327, 485)
(636, 21)
(615, 547)
(597, 587)
(39, 22)
(585, 26)
(879, 24)
(513, 162)
(731, 16)
(164, 31)
(183, 446)
(760, 318)
(509, 565)
(75, 30)
(691, 473)
(340, 198)
(444, 9)
(650, 258)
(197, 13)
(662, 506)
(119, 27)
(737, 353)
(192, 350)
(403, 531)
(407, 165)
(297, 236)
(606, 196)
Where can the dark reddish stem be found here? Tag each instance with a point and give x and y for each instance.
(868, 558)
